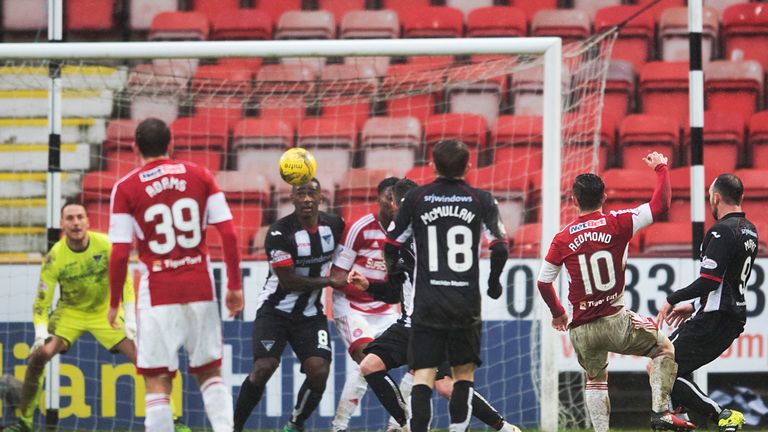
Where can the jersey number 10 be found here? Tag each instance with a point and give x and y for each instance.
(173, 218)
(593, 267)
(459, 242)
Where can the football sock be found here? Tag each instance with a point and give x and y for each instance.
(406, 383)
(250, 395)
(598, 405)
(353, 391)
(686, 393)
(305, 404)
(484, 412)
(662, 377)
(389, 395)
(158, 415)
(421, 408)
(30, 394)
(218, 404)
(460, 406)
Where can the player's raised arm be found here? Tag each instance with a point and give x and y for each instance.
(661, 200)
(545, 283)
(497, 239)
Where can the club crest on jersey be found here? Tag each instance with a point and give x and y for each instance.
(708, 263)
(268, 344)
(594, 223)
(161, 171)
(97, 258)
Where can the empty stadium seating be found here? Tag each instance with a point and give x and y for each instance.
(357, 192)
(571, 25)
(89, 15)
(432, 21)
(258, 145)
(663, 90)
(745, 32)
(211, 8)
(532, 7)
(400, 81)
(241, 24)
(680, 211)
(723, 140)
(509, 186)
(306, 25)
(496, 21)
(179, 26)
(469, 94)
(636, 38)
(657, 10)
(391, 143)
(668, 239)
(526, 241)
(590, 7)
(640, 134)
(421, 174)
(119, 153)
(142, 12)
(517, 138)
(403, 7)
(24, 15)
(627, 188)
(201, 140)
(382, 24)
(673, 34)
(619, 98)
(758, 139)
(340, 7)
(469, 128)
(735, 86)
(275, 9)
(755, 193)
(332, 142)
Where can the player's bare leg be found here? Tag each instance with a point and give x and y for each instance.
(216, 399)
(598, 402)
(460, 405)
(375, 372)
(421, 399)
(252, 389)
(481, 408)
(33, 381)
(662, 377)
(316, 370)
(355, 387)
(159, 417)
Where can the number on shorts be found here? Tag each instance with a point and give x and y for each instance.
(172, 219)
(322, 337)
(594, 269)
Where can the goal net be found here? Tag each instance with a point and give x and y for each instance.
(364, 119)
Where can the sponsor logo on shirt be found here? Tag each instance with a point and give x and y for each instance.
(748, 231)
(593, 223)
(278, 255)
(327, 241)
(708, 263)
(161, 171)
(185, 261)
(446, 199)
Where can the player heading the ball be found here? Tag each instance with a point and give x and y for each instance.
(593, 248)
(167, 205)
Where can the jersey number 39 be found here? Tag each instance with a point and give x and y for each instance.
(182, 216)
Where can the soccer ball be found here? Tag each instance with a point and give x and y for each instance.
(297, 166)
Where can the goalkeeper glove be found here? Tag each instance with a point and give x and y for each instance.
(494, 288)
(41, 335)
(130, 320)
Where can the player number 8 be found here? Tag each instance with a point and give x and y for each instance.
(172, 219)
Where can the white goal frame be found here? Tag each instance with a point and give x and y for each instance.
(549, 47)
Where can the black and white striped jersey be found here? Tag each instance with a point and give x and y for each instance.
(310, 252)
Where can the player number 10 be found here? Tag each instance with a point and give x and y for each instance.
(456, 248)
(172, 219)
(594, 269)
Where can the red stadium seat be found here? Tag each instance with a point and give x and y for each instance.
(331, 141)
(259, 143)
(400, 80)
(467, 6)
(640, 134)
(619, 99)
(143, 11)
(636, 38)
(745, 32)
(340, 7)
(211, 8)
(306, 25)
(510, 186)
(357, 192)
(241, 24)
(97, 188)
(526, 241)
(118, 146)
(403, 7)
(659, 8)
(89, 15)
(758, 139)
(282, 90)
(755, 192)
(468, 94)
(723, 140)
(391, 143)
(200, 140)
(680, 211)
(421, 174)
(179, 26)
(247, 195)
(673, 34)
(721, 5)
(579, 134)
(664, 90)
(219, 92)
(590, 7)
(155, 89)
(347, 92)
(517, 140)
(381, 24)
(432, 22)
(256, 244)
(569, 24)
(668, 239)
(627, 188)
(24, 15)
(531, 7)
(276, 8)
(735, 86)
(527, 89)
(496, 21)
(469, 128)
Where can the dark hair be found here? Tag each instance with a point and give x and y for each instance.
(386, 183)
(588, 190)
(450, 157)
(401, 188)
(152, 137)
(71, 203)
(730, 188)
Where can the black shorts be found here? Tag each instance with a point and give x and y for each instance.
(391, 346)
(431, 347)
(702, 339)
(308, 336)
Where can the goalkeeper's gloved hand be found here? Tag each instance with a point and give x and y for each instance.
(129, 311)
(41, 335)
(494, 288)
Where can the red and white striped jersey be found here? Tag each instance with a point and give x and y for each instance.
(361, 249)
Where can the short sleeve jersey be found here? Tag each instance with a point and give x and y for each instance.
(593, 248)
(361, 250)
(83, 279)
(167, 205)
(309, 252)
(727, 253)
(447, 219)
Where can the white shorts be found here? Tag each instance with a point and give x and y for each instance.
(357, 328)
(163, 329)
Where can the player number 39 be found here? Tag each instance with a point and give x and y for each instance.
(183, 216)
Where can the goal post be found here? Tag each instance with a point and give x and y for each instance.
(563, 136)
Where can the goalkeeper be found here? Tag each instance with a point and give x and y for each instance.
(79, 264)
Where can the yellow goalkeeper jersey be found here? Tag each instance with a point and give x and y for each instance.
(83, 278)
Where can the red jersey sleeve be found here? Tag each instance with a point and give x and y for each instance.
(121, 224)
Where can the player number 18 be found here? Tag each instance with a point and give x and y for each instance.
(171, 219)
(459, 242)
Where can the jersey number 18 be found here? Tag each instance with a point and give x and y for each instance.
(459, 242)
